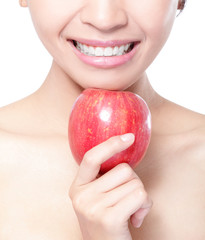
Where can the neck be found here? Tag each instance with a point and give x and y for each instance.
(143, 88)
(58, 93)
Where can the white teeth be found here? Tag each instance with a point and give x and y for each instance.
(100, 51)
(121, 50)
(91, 51)
(115, 50)
(126, 47)
(85, 49)
(108, 52)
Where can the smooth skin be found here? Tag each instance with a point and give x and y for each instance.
(44, 193)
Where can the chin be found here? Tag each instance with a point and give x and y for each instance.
(108, 86)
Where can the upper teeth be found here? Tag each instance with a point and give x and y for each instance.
(100, 51)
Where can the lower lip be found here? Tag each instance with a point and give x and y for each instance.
(105, 62)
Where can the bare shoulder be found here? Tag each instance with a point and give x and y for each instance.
(10, 120)
(10, 143)
(185, 131)
(194, 149)
(197, 130)
(15, 122)
(25, 117)
(4, 140)
(198, 142)
(15, 115)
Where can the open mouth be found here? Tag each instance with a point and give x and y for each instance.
(97, 51)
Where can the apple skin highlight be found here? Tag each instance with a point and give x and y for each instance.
(99, 114)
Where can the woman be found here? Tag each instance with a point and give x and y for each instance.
(44, 193)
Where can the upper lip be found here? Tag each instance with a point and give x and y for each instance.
(100, 43)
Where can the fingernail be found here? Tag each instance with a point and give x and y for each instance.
(128, 137)
(139, 223)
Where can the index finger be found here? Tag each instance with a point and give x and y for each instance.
(90, 165)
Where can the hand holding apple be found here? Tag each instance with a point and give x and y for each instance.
(99, 114)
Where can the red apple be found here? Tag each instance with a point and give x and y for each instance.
(99, 114)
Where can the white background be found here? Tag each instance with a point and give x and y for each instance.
(177, 73)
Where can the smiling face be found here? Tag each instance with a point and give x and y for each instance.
(103, 43)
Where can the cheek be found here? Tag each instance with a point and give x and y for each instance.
(155, 19)
(158, 20)
(50, 17)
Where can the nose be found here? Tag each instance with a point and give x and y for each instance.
(104, 15)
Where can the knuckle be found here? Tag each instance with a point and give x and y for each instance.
(126, 170)
(92, 213)
(89, 159)
(142, 193)
(136, 183)
(108, 222)
(70, 193)
(114, 142)
(78, 200)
